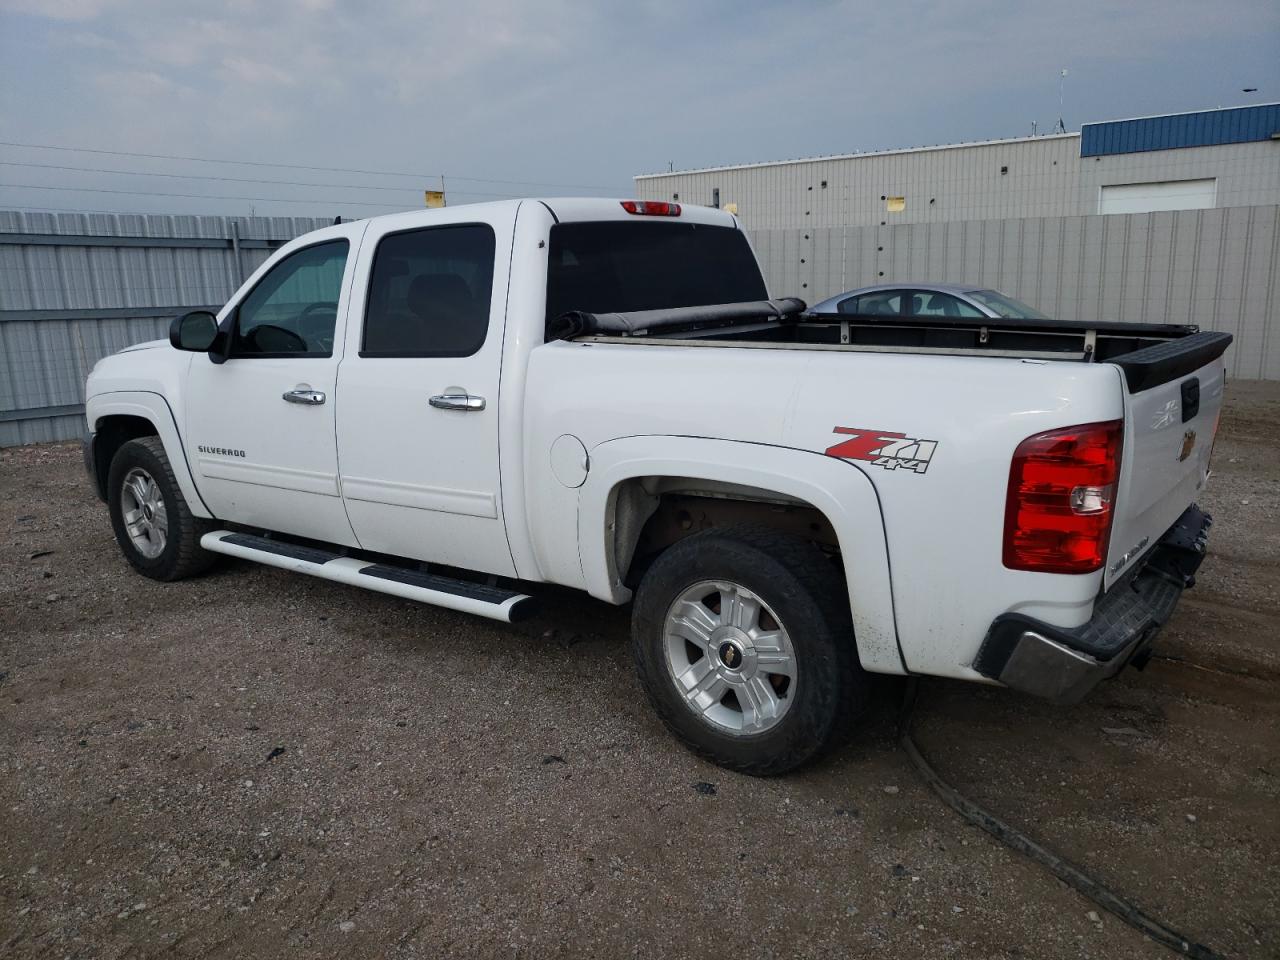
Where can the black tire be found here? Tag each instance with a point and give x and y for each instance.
(808, 598)
(182, 556)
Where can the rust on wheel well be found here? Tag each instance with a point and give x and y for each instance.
(652, 513)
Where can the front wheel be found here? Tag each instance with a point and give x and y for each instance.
(152, 523)
(743, 641)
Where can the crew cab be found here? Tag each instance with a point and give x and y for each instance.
(456, 405)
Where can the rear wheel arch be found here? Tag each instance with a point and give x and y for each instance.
(638, 486)
(653, 513)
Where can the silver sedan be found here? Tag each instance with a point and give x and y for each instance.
(928, 300)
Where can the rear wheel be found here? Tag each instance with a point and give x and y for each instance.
(743, 640)
(152, 522)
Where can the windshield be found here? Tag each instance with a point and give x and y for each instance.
(1005, 306)
(619, 266)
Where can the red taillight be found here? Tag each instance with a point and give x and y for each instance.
(1062, 488)
(651, 208)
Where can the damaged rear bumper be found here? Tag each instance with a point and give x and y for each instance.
(1064, 665)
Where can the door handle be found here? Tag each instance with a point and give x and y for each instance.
(457, 401)
(311, 397)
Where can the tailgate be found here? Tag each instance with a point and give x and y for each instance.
(1172, 403)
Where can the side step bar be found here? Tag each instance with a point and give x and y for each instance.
(485, 601)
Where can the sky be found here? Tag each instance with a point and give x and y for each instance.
(551, 98)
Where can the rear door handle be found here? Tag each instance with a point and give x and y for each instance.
(311, 397)
(457, 401)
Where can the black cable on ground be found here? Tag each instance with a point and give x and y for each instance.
(1064, 870)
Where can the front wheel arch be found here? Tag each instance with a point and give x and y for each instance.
(110, 434)
(153, 409)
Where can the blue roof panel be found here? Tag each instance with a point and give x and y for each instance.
(1204, 129)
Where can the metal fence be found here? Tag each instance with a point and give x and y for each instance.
(1216, 268)
(76, 287)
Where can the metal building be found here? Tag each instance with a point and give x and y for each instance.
(1207, 159)
(1159, 219)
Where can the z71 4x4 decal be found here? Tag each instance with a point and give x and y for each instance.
(893, 451)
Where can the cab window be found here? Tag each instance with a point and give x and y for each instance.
(429, 292)
(292, 310)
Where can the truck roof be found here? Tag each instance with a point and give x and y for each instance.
(564, 209)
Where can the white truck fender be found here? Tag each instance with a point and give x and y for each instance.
(154, 408)
(836, 488)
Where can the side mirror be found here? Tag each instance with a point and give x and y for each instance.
(195, 331)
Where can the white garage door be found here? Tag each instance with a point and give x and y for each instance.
(1164, 195)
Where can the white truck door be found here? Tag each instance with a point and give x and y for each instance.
(260, 427)
(418, 388)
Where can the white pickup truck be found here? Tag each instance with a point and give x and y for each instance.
(453, 405)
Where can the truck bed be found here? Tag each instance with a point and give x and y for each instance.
(1148, 353)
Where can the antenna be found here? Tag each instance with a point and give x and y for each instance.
(1062, 80)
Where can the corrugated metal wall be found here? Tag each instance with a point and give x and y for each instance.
(939, 184)
(1040, 177)
(1219, 268)
(1201, 129)
(76, 287)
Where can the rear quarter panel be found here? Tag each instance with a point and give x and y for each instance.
(943, 526)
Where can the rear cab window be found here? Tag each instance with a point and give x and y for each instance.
(621, 267)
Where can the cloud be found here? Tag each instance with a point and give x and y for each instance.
(91, 41)
(56, 9)
(138, 84)
(255, 72)
(590, 93)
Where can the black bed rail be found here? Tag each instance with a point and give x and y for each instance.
(580, 323)
(1162, 362)
(1008, 323)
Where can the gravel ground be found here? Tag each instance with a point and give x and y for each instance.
(255, 763)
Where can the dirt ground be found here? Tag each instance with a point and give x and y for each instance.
(259, 764)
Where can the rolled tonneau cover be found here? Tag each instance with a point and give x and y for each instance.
(578, 323)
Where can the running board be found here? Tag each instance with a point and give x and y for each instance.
(485, 601)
